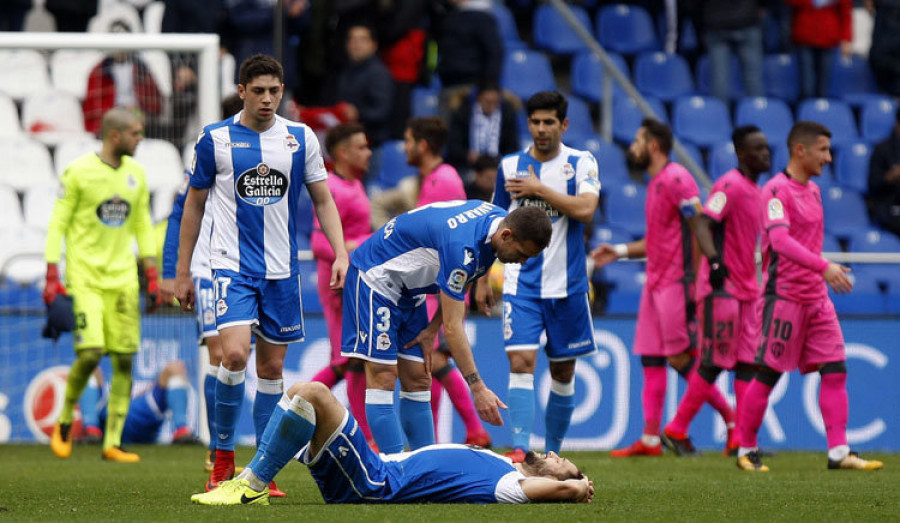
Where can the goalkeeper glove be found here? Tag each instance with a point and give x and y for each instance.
(717, 272)
(53, 286)
(154, 298)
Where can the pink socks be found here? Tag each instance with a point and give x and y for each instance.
(834, 405)
(653, 396)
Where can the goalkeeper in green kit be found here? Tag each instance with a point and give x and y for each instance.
(103, 203)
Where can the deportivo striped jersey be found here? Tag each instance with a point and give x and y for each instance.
(560, 270)
(437, 247)
(200, 259)
(255, 181)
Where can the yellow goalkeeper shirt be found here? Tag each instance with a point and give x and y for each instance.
(99, 210)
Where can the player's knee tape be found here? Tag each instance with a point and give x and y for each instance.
(834, 367)
(231, 377)
(303, 408)
(653, 361)
(709, 373)
(562, 388)
(379, 397)
(442, 373)
(744, 371)
(521, 380)
(767, 376)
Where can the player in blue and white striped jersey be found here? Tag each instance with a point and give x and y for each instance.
(550, 292)
(435, 249)
(346, 470)
(253, 167)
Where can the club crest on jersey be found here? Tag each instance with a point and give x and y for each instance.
(568, 171)
(261, 185)
(383, 342)
(113, 212)
(131, 182)
(457, 280)
(291, 144)
(221, 308)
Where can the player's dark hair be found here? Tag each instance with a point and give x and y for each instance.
(806, 132)
(373, 33)
(538, 467)
(739, 136)
(548, 101)
(485, 161)
(659, 132)
(530, 224)
(340, 133)
(432, 129)
(232, 105)
(259, 65)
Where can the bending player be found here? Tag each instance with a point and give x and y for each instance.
(800, 328)
(727, 290)
(346, 470)
(666, 326)
(439, 248)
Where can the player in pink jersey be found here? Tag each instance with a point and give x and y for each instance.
(727, 290)
(800, 328)
(666, 327)
(349, 149)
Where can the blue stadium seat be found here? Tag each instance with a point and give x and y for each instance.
(722, 159)
(664, 76)
(393, 167)
(735, 81)
(874, 240)
(866, 298)
(587, 76)
(701, 120)
(610, 158)
(780, 157)
(627, 117)
(506, 24)
(526, 72)
(781, 76)
(851, 79)
(771, 115)
(845, 212)
(424, 102)
(626, 280)
(625, 208)
(877, 118)
(852, 165)
(693, 151)
(610, 234)
(830, 243)
(579, 115)
(834, 114)
(626, 29)
(553, 33)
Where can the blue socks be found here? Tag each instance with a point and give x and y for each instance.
(560, 406)
(416, 418)
(271, 430)
(382, 420)
(268, 392)
(284, 438)
(177, 400)
(229, 398)
(89, 404)
(209, 394)
(521, 408)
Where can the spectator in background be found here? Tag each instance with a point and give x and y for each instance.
(470, 49)
(72, 16)
(484, 175)
(12, 14)
(482, 122)
(884, 181)
(121, 80)
(727, 26)
(193, 16)
(817, 28)
(884, 55)
(365, 83)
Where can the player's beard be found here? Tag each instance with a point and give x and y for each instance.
(637, 163)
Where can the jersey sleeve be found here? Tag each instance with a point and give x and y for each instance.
(315, 165)
(587, 177)
(775, 210)
(143, 224)
(684, 192)
(66, 201)
(509, 489)
(717, 206)
(501, 196)
(173, 230)
(203, 170)
(454, 273)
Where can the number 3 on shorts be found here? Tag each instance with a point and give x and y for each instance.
(384, 316)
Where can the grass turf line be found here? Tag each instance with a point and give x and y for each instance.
(37, 486)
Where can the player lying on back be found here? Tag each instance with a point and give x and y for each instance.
(346, 470)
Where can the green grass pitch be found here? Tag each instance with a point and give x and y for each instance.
(36, 486)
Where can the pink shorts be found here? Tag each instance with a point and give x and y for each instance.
(666, 324)
(799, 335)
(730, 330)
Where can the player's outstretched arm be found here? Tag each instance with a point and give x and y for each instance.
(194, 207)
(548, 490)
(604, 254)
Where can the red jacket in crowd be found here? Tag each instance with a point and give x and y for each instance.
(101, 92)
(825, 26)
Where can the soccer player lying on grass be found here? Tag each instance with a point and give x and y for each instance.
(346, 470)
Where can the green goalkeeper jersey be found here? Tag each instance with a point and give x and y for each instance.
(99, 210)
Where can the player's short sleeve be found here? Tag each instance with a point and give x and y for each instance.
(315, 165)
(683, 190)
(587, 176)
(501, 196)
(203, 168)
(509, 489)
(457, 268)
(776, 203)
